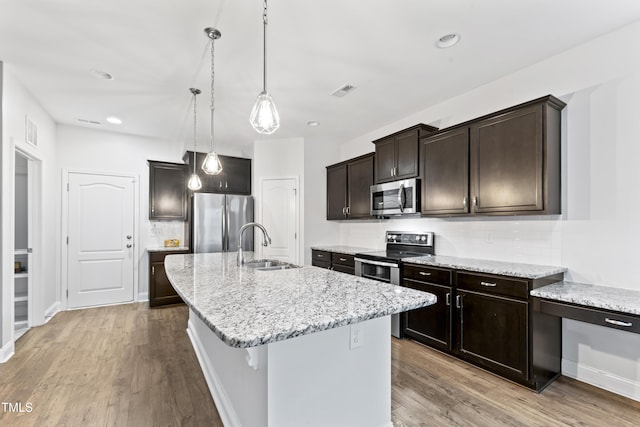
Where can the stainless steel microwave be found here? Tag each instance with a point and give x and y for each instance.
(396, 198)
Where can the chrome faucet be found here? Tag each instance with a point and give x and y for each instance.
(265, 241)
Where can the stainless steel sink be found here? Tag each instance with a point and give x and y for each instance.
(269, 264)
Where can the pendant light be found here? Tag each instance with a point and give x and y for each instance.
(264, 116)
(211, 164)
(194, 180)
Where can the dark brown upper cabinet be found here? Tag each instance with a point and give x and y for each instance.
(445, 173)
(235, 177)
(513, 159)
(397, 155)
(348, 185)
(167, 191)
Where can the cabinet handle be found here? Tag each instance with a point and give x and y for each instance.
(392, 171)
(488, 284)
(226, 184)
(320, 256)
(220, 184)
(348, 210)
(424, 273)
(343, 259)
(447, 298)
(458, 301)
(464, 202)
(475, 201)
(128, 245)
(618, 322)
(153, 270)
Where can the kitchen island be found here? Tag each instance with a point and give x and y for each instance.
(301, 346)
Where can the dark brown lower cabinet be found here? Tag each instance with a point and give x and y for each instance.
(492, 331)
(487, 320)
(160, 290)
(337, 261)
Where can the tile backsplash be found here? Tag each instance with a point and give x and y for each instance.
(159, 231)
(534, 240)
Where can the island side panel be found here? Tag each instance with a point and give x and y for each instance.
(320, 380)
(238, 390)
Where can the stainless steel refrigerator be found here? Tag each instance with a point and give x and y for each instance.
(216, 220)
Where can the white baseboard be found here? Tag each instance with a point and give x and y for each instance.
(225, 410)
(7, 351)
(51, 311)
(143, 296)
(602, 379)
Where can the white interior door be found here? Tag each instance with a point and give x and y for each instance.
(280, 218)
(100, 246)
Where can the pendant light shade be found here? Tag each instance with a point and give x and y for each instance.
(211, 164)
(264, 116)
(194, 183)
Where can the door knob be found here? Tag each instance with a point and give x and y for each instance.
(129, 245)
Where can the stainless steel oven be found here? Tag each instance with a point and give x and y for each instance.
(395, 198)
(385, 265)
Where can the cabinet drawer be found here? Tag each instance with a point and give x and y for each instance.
(494, 285)
(592, 315)
(342, 259)
(427, 274)
(320, 255)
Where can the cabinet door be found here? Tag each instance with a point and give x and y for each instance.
(236, 177)
(493, 332)
(507, 162)
(167, 191)
(430, 325)
(445, 173)
(161, 291)
(336, 191)
(407, 160)
(385, 160)
(360, 180)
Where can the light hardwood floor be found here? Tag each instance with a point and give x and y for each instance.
(129, 365)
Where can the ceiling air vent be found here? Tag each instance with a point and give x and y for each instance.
(93, 122)
(343, 90)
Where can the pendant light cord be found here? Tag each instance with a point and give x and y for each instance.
(213, 75)
(264, 48)
(195, 128)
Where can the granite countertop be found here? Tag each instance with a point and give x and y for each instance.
(246, 307)
(166, 248)
(514, 269)
(349, 250)
(605, 297)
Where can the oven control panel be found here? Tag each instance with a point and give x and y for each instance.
(424, 238)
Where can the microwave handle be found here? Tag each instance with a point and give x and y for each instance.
(401, 198)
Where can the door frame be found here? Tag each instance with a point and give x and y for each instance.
(64, 227)
(297, 204)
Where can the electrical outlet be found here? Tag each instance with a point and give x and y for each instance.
(356, 336)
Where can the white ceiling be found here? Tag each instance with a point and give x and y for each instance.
(157, 50)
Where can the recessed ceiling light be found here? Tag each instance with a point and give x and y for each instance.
(114, 120)
(101, 74)
(313, 123)
(448, 40)
(343, 90)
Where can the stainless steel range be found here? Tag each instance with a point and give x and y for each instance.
(385, 265)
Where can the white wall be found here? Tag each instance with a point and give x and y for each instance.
(279, 158)
(82, 149)
(596, 236)
(18, 103)
(21, 229)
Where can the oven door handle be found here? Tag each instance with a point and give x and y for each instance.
(379, 263)
(401, 198)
